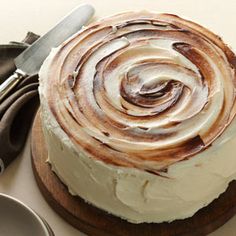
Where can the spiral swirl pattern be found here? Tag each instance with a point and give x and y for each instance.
(143, 90)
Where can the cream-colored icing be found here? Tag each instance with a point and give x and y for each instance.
(131, 193)
(136, 195)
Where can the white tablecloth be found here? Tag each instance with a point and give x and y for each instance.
(18, 180)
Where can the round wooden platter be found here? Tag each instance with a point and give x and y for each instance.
(96, 222)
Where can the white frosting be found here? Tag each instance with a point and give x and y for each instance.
(133, 193)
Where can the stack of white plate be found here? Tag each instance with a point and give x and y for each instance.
(17, 219)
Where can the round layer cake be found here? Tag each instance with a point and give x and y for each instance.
(138, 115)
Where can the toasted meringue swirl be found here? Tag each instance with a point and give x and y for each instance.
(143, 90)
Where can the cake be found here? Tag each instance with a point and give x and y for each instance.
(138, 115)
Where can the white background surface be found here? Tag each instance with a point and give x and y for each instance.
(19, 16)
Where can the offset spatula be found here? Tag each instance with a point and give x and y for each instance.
(30, 61)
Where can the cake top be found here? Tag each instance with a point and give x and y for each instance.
(142, 90)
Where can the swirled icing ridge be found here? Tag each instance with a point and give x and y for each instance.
(143, 90)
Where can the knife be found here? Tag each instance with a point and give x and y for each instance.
(30, 61)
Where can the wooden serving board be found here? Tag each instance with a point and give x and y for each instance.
(96, 222)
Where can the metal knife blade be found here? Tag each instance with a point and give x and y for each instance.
(32, 58)
(30, 61)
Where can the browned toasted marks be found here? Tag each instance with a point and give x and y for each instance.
(143, 90)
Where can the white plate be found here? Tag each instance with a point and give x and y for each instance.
(16, 219)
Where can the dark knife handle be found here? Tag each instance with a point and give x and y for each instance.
(10, 83)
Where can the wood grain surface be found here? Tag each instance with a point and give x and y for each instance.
(96, 222)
